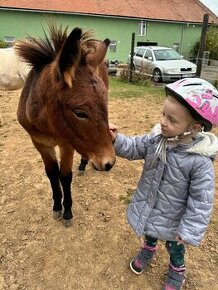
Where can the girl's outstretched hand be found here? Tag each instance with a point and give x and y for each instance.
(113, 131)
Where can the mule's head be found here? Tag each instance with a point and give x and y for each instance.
(78, 98)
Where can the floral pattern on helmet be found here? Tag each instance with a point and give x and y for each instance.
(200, 95)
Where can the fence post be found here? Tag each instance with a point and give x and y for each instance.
(202, 45)
(131, 57)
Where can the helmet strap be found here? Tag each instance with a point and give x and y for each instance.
(187, 133)
(184, 134)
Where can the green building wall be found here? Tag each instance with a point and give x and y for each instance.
(20, 24)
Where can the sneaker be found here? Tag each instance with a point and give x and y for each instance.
(175, 278)
(142, 259)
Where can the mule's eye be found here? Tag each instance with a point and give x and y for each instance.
(81, 114)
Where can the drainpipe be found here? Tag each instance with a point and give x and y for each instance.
(181, 40)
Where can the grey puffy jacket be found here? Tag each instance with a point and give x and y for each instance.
(175, 198)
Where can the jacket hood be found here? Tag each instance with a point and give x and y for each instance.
(207, 146)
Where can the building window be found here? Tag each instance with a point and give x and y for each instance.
(113, 46)
(10, 40)
(142, 28)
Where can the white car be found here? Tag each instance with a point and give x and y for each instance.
(162, 63)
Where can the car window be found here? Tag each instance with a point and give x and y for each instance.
(140, 52)
(148, 54)
(166, 54)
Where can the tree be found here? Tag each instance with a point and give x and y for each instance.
(211, 43)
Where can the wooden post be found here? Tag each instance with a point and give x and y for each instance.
(131, 58)
(202, 45)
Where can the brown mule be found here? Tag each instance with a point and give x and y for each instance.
(64, 103)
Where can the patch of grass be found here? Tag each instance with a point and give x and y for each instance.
(127, 198)
(119, 89)
(215, 83)
(3, 44)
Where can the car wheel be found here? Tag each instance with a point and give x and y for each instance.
(157, 75)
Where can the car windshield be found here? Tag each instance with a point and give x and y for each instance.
(166, 54)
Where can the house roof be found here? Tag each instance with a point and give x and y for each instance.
(165, 10)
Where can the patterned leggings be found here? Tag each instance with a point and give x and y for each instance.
(176, 252)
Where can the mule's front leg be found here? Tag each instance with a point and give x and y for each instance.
(67, 202)
(53, 174)
(66, 177)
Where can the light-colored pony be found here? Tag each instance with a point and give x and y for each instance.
(13, 71)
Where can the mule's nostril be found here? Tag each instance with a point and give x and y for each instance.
(108, 166)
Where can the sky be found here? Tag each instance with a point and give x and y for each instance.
(212, 5)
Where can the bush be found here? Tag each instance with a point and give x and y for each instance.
(3, 44)
(141, 78)
(215, 84)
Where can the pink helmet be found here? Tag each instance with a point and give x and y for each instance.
(200, 97)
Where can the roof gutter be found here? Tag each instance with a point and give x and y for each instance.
(97, 15)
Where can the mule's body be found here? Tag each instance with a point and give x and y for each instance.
(64, 103)
(13, 71)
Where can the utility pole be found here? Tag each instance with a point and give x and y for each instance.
(131, 58)
(202, 45)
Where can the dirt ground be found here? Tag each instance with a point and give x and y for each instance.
(39, 253)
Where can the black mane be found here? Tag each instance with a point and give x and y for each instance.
(41, 52)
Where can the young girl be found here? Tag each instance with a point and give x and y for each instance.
(175, 194)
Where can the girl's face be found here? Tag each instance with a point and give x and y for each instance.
(176, 118)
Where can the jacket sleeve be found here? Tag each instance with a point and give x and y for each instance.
(199, 204)
(132, 148)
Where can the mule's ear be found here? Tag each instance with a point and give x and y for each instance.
(70, 55)
(95, 59)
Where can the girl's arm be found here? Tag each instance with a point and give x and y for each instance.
(199, 204)
(131, 148)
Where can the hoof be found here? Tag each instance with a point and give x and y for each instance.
(67, 223)
(82, 168)
(80, 173)
(57, 215)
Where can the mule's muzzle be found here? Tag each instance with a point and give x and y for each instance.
(104, 167)
(108, 167)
